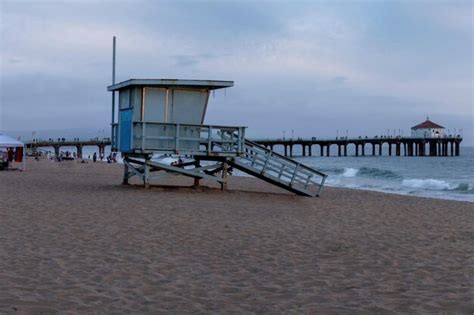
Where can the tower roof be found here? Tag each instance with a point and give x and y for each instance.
(427, 124)
(208, 84)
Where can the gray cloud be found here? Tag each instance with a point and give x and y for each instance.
(15, 60)
(190, 60)
(315, 67)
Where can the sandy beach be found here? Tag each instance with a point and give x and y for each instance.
(73, 240)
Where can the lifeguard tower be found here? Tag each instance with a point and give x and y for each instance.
(164, 116)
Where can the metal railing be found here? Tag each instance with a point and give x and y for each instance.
(169, 138)
(282, 169)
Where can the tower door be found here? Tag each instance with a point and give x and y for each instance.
(125, 130)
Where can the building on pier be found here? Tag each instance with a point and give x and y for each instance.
(427, 129)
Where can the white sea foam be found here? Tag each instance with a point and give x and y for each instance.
(350, 172)
(429, 184)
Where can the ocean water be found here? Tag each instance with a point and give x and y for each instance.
(437, 177)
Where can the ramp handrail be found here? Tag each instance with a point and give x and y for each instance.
(285, 158)
(280, 170)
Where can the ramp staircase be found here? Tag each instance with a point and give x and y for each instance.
(279, 170)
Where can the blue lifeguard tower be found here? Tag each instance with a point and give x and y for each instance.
(166, 116)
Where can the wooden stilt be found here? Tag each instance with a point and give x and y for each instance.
(225, 167)
(125, 173)
(196, 179)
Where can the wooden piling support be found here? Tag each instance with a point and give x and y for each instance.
(79, 151)
(196, 180)
(125, 173)
(431, 148)
(146, 174)
(225, 167)
(56, 150)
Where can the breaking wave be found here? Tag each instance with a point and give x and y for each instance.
(378, 173)
(436, 184)
(368, 172)
(333, 170)
(350, 172)
(464, 187)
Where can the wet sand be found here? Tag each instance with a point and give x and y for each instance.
(73, 240)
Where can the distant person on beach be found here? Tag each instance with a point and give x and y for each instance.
(4, 159)
(94, 157)
(10, 155)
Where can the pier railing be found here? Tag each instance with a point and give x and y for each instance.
(353, 139)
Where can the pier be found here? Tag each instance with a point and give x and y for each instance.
(398, 146)
(57, 144)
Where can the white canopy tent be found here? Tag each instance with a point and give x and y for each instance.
(8, 142)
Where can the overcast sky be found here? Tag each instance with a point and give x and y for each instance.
(317, 67)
